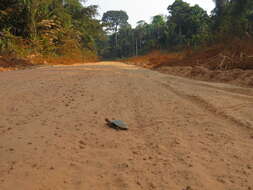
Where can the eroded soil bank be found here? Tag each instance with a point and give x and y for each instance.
(214, 64)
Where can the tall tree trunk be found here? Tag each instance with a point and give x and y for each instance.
(116, 36)
(220, 6)
(31, 7)
(116, 40)
(136, 47)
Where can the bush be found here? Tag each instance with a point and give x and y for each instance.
(13, 45)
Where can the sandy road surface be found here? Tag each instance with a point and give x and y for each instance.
(184, 134)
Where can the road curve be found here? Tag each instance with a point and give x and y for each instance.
(183, 134)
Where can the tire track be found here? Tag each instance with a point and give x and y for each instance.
(208, 107)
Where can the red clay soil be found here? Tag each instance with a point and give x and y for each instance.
(8, 63)
(232, 64)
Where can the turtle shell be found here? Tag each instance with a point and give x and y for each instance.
(117, 124)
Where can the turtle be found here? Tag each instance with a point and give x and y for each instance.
(116, 124)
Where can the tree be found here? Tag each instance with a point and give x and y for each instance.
(50, 26)
(158, 26)
(233, 18)
(113, 21)
(189, 24)
(220, 6)
(125, 47)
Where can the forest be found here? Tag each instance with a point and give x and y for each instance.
(55, 28)
(49, 28)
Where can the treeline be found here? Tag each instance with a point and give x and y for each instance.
(185, 26)
(70, 28)
(49, 28)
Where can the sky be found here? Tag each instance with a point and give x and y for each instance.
(144, 9)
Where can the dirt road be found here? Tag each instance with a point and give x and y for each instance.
(184, 134)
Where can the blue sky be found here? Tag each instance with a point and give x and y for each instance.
(144, 9)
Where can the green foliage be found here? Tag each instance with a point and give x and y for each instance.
(233, 19)
(114, 19)
(116, 23)
(186, 26)
(13, 45)
(49, 27)
(68, 27)
(190, 24)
